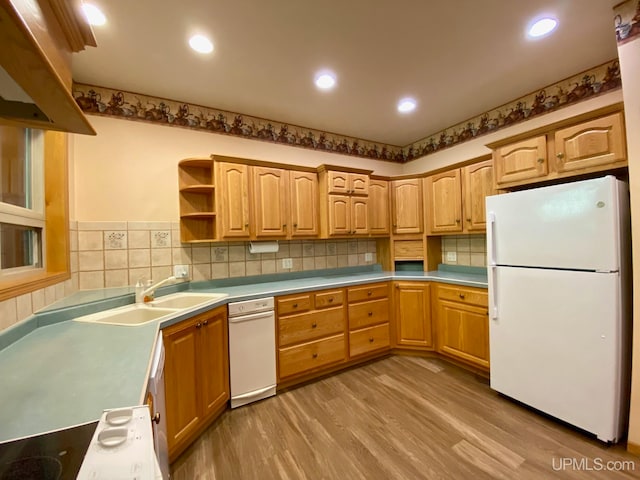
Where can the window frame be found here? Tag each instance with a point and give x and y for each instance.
(55, 237)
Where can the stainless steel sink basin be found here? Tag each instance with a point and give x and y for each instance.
(162, 308)
(185, 300)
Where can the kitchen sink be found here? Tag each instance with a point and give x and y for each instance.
(185, 300)
(162, 308)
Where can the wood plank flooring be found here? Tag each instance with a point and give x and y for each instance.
(397, 418)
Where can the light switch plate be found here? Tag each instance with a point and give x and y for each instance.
(287, 263)
(452, 256)
(181, 271)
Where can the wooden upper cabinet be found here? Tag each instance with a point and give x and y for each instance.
(339, 215)
(407, 201)
(270, 197)
(378, 207)
(232, 198)
(591, 144)
(359, 215)
(303, 195)
(348, 183)
(522, 160)
(477, 182)
(444, 192)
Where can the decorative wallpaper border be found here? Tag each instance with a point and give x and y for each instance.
(110, 102)
(627, 21)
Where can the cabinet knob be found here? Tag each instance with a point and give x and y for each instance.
(370, 339)
(457, 220)
(246, 225)
(369, 293)
(295, 225)
(461, 295)
(295, 305)
(315, 355)
(198, 325)
(559, 155)
(330, 299)
(314, 325)
(156, 418)
(284, 225)
(395, 225)
(206, 322)
(469, 220)
(371, 314)
(541, 160)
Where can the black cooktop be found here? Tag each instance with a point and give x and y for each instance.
(51, 456)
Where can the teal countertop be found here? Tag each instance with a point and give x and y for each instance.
(57, 372)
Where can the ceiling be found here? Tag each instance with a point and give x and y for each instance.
(458, 58)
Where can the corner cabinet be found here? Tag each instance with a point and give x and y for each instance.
(196, 376)
(463, 324)
(197, 200)
(412, 302)
(590, 144)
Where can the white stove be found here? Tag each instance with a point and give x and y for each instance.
(122, 447)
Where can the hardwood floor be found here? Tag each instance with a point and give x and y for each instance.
(398, 418)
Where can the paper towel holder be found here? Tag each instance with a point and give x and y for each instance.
(264, 247)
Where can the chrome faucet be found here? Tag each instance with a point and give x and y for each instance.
(147, 294)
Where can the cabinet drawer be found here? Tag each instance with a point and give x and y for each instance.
(368, 313)
(368, 292)
(369, 340)
(312, 355)
(294, 304)
(331, 298)
(308, 326)
(464, 295)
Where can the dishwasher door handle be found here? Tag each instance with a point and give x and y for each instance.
(255, 393)
(252, 316)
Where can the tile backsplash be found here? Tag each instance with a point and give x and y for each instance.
(116, 254)
(470, 250)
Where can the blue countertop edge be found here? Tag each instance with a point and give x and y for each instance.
(238, 290)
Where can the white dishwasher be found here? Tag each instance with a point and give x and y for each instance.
(252, 350)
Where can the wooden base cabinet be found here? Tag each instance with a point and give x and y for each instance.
(196, 376)
(413, 315)
(368, 319)
(463, 324)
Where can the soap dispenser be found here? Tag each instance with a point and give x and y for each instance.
(139, 289)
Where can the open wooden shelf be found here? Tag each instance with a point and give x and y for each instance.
(196, 188)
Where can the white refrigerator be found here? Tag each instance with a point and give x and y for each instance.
(559, 301)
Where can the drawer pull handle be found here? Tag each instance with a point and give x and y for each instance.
(330, 299)
(314, 325)
(206, 322)
(369, 293)
(461, 295)
(198, 325)
(370, 339)
(295, 305)
(370, 314)
(315, 355)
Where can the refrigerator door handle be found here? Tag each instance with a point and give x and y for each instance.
(491, 221)
(493, 302)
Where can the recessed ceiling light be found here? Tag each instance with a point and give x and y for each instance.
(542, 27)
(406, 105)
(94, 14)
(325, 80)
(201, 44)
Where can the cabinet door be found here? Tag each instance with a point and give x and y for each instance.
(269, 202)
(339, 215)
(232, 194)
(359, 215)
(358, 184)
(303, 204)
(181, 377)
(338, 182)
(406, 196)
(214, 361)
(379, 207)
(445, 202)
(463, 332)
(478, 184)
(520, 161)
(413, 315)
(591, 145)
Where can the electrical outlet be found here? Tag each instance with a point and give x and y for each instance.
(181, 271)
(287, 263)
(368, 257)
(452, 256)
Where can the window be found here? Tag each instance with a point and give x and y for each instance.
(22, 216)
